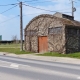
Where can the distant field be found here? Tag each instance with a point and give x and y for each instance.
(10, 45)
(12, 48)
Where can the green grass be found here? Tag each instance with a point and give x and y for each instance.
(71, 55)
(13, 50)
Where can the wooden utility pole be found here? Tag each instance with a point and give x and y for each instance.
(21, 26)
(73, 8)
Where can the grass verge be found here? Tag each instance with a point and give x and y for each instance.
(71, 55)
(13, 50)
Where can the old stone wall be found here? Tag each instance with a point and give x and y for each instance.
(31, 44)
(56, 42)
(72, 40)
(40, 27)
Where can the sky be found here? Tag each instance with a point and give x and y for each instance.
(10, 19)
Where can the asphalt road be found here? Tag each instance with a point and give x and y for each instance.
(13, 68)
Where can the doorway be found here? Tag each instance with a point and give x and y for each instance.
(42, 44)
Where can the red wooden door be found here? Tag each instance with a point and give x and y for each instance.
(43, 44)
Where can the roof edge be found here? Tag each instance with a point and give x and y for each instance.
(42, 15)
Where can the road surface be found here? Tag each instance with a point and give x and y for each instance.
(13, 68)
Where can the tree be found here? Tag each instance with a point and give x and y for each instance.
(15, 39)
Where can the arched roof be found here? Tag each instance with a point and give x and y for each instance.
(63, 20)
(42, 15)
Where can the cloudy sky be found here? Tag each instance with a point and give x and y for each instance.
(9, 14)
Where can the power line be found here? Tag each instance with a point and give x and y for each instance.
(39, 8)
(30, 1)
(40, 2)
(17, 3)
(31, 14)
(8, 9)
(27, 1)
(18, 0)
(40, 13)
(9, 19)
(42, 9)
(9, 4)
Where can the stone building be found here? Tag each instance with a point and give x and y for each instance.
(53, 33)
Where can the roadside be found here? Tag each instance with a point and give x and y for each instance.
(13, 50)
(44, 58)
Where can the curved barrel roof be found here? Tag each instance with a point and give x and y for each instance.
(64, 21)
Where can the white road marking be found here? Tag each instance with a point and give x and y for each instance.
(14, 65)
(78, 77)
(46, 64)
(39, 70)
(7, 67)
(11, 65)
